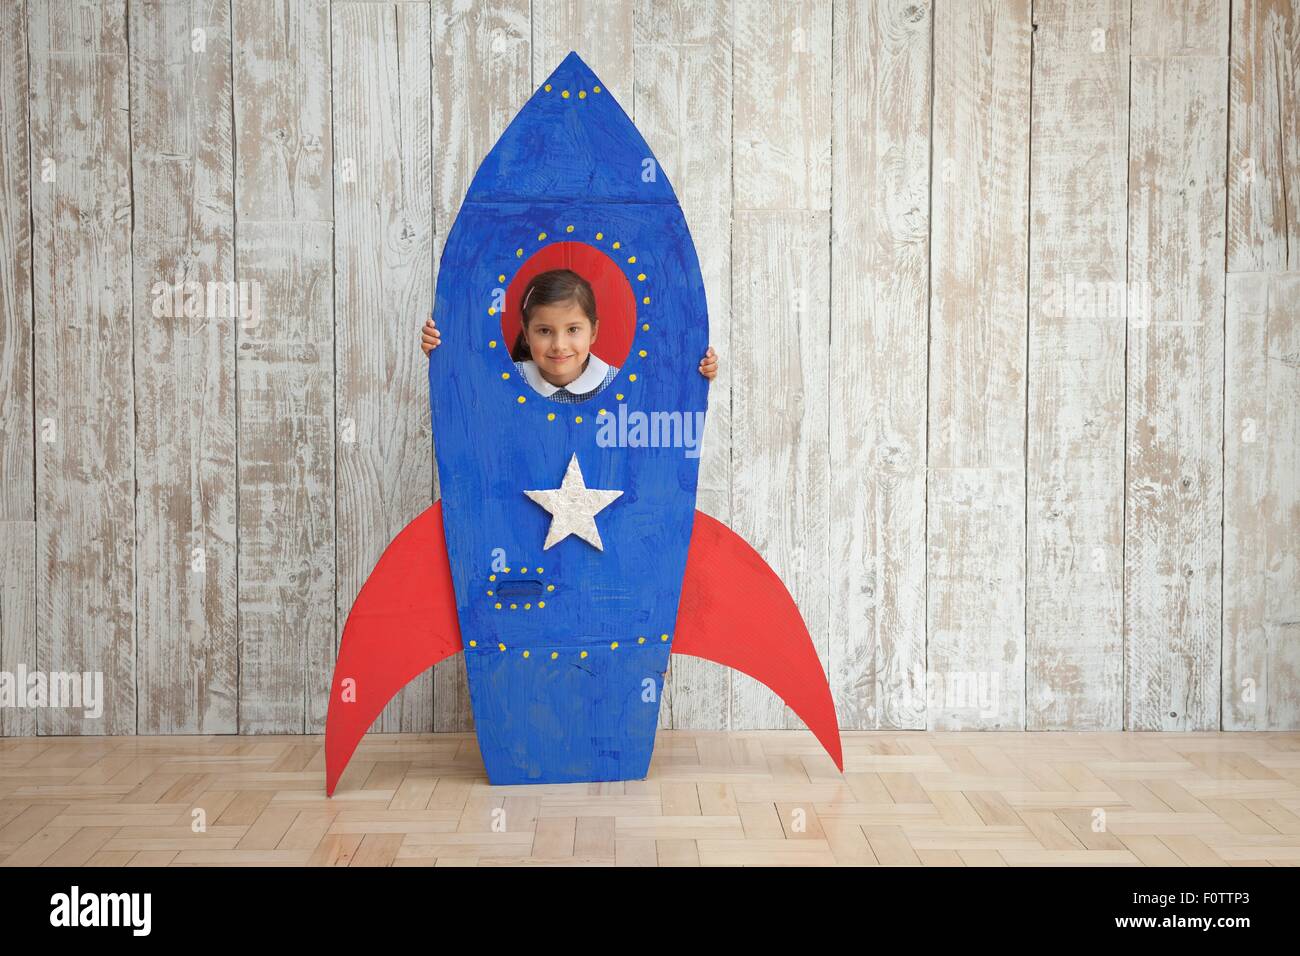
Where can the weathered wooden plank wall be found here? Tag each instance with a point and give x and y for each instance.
(1007, 295)
(1178, 113)
(1074, 515)
(186, 587)
(84, 389)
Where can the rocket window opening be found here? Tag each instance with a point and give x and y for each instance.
(616, 309)
(519, 589)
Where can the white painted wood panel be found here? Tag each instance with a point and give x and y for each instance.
(1264, 137)
(84, 391)
(383, 242)
(1174, 442)
(286, 369)
(1261, 521)
(979, 252)
(780, 341)
(18, 645)
(1074, 668)
(880, 275)
(186, 307)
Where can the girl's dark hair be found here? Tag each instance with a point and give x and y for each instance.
(546, 288)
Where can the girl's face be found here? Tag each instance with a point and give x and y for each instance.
(560, 336)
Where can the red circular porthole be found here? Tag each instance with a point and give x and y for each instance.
(615, 301)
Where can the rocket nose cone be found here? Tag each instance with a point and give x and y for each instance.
(571, 140)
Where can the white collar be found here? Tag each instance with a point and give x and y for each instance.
(590, 378)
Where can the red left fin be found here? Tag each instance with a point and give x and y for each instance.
(401, 624)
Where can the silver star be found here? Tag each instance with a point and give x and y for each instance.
(573, 507)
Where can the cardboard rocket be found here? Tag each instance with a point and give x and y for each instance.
(566, 559)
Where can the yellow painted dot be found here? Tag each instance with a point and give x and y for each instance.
(613, 646)
(663, 637)
(550, 416)
(619, 396)
(505, 375)
(519, 252)
(578, 419)
(489, 593)
(568, 228)
(513, 606)
(539, 570)
(528, 607)
(541, 604)
(547, 87)
(498, 605)
(583, 654)
(617, 244)
(640, 277)
(595, 89)
(642, 353)
(600, 235)
(501, 647)
(492, 310)
(492, 577)
(550, 587)
(632, 377)
(527, 654)
(564, 93)
(473, 643)
(554, 654)
(541, 236)
(645, 326)
(631, 258)
(492, 344)
(523, 570)
(507, 570)
(501, 277)
(582, 94)
(520, 399)
(602, 412)
(646, 300)
(640, 640)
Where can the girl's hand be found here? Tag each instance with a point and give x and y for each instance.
(430, 337)
(709, 364)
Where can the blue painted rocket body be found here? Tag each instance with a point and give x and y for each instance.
(566, 648)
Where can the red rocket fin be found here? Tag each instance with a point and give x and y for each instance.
(735, 611)
(402, 623)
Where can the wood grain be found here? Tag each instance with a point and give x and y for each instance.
(905, 799)
(1264, 137)
(1077, 310)
(1174, 492)
(286, 366)
(919, 225)
(186, 307)
(1261, 521)
(18, 644)
(781, 298)
(383, 194)
(879, 290)
(978, 364)
(84, 397)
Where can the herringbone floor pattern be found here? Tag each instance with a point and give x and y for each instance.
(711, 798)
